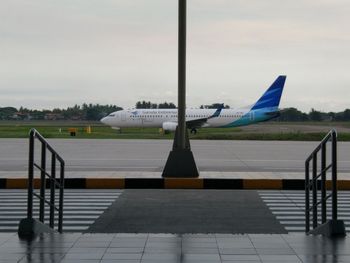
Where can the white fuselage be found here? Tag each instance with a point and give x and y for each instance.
(158, 117)
(264, 109)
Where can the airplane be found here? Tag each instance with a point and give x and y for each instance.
(266, 108)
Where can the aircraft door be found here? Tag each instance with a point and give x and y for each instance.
(123, 116)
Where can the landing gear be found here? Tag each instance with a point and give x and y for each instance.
(194, 131)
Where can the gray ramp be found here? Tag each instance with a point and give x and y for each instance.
(187, 211)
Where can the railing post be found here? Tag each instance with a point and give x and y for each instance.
(334, 177)
(42, 183)
(314, 190)
(323, 184)
(30, 175)
(29, 226)
(52, 188)
(307, 196)
(60, 212)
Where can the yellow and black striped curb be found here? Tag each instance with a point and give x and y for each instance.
(173, 183)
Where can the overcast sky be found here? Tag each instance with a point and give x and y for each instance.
(60, 53)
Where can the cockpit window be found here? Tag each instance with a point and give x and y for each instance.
(111, 115)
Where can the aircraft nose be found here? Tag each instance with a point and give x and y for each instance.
(104, 120)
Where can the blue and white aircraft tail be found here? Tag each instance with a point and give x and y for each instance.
(264, 109)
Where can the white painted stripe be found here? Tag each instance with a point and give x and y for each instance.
(81, 217)
(292, 222)
(290, 217)
(65, 222)
(24, 212)
(66, 208)
(288, 212)
(289, 208)
(87, 204)
(295, 228)
(81, 208)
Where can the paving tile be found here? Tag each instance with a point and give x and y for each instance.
(160, 261)
(134, 256)
(163, 250)
(200, 250)
(163, 244)
(239, 261)
(82, 250)
(201, 261)
(199, 239)
(199, 245)
(78, 261)
(164, 257)
(131, 235)
(129, 239)
(42, 258)
(201, 257)
(128, 244)
(91, 255)
(97, 244)
(124, 250)
(280, 258)
(242, 258)
(275, 251)
(237, 251)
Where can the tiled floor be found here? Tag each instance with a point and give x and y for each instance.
(168, 248)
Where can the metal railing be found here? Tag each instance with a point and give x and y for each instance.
(313, 183)
(52, 182)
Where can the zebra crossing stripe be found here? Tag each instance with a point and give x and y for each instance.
(289, 208)
(81, 208)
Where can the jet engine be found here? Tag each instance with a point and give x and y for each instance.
(169, 126)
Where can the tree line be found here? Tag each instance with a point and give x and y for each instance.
(91, 112)
(94, 112)
(293, 114)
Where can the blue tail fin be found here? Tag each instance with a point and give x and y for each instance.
(272, 96)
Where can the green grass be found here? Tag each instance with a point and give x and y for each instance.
(51, 129)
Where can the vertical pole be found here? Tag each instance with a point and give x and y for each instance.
(182, 75)
(42, 183)
(60, 212)
(323, 183)
(334, 177)
(30, 175)
(307, 197)
(314, 190)
(52, 188)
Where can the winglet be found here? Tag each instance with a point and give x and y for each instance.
(218, 111)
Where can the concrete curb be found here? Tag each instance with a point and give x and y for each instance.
(172, 183)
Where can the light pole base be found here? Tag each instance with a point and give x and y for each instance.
(181, 162)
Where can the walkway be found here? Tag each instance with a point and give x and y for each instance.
(168, 248)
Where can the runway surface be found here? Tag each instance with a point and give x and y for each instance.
(151, 155)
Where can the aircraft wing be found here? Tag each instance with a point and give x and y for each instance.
(198, 123)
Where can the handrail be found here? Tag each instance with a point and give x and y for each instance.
(313, 182)
(53, 182)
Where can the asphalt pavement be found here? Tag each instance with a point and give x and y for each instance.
(187, 211)
(150, 155)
